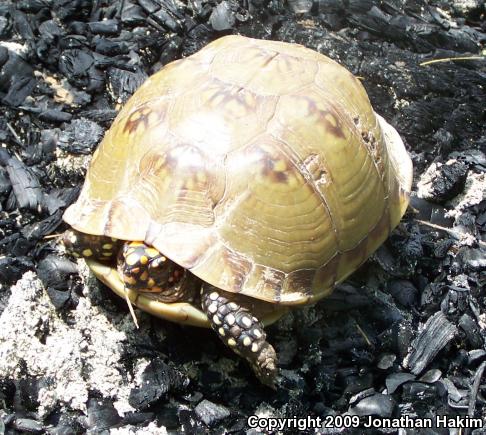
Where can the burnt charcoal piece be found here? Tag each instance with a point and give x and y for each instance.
(71, 8)
(59, 298)
(442, 182)
(433, 213)
(102, 415)
(134, 418)
(211, 413)
(110, 47)
(476, 355)
(386, 361)
(55, 271)
(105, 27)
(394, 380)
(16, 78)
(132, 14)
(222, 17)
(59, 198)
(25, 184)
(5, 184)
(78, 66)
(378, 404)
(7, 391)
(53, 115)
(5, 27)
(12, 268)
(403, 291)
(37, 230)
(103, 116)
(27, 392)
(436, 333)
(158, 380)
(66, 423)
(28, 426)
(471, 329)
(441, 248)
(162, 13)
(190, 423)
(81, 136)
(474, 158)
(474, 259)
(413, 390)
(122, 84)
(431, 376)
(300, 6)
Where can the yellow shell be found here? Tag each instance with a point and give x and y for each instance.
(260, 166)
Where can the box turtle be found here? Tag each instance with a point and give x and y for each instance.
(247, 178)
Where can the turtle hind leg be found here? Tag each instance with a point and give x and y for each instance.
(232, 319)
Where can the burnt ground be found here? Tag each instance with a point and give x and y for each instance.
(404, 336)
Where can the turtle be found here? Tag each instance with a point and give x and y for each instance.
(241, 181)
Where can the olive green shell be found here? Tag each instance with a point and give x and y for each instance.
(260, 166)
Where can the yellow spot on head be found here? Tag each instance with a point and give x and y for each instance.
(87, 252)
(143, 259)
(129, 279)
(152, 252)
(144, 276)
(136, 244)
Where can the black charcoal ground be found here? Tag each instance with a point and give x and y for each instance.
(405, 335)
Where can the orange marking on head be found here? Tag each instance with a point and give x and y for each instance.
(129, 279)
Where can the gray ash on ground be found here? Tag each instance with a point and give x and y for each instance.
(404, 336)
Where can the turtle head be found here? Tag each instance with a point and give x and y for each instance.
(144, 269)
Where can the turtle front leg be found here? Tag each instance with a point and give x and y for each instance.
(231, 316)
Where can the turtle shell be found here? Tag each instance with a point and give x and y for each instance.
(260, 166)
